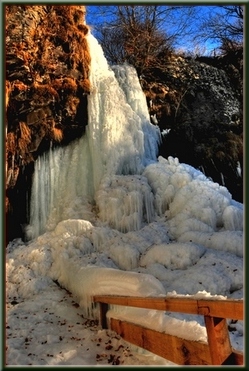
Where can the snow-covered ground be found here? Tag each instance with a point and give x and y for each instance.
(108, 217)
(49, 329)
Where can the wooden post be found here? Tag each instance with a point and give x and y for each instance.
(218, 339)
(103, 308)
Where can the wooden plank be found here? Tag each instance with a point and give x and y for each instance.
(230, 308)
(172, 348)
(218, 339)
(158, 303)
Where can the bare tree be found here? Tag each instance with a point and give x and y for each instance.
(223, 25)
(141, 35)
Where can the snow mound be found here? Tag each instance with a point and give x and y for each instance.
(173, 255)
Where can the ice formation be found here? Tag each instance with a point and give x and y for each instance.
(108, 216)
(119, 140)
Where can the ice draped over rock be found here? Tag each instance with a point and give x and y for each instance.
(119, 140)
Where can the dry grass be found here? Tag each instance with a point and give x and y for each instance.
(23, 146)
(68, 83)
(85, 84)
(57, 134)
(83, 28)
(220, 155)
(24, 140)
(45, 90)
(19, 85)
(38, 116)
(25, 132)
(72, 104)
(7, 93)
(56, 56)
(11, 143)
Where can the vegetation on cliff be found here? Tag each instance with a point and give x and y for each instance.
(47, 67)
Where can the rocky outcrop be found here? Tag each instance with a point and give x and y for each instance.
(47, 66)
(199, 104)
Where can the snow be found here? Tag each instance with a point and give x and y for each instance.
(109, 217)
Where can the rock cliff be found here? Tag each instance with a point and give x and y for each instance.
(47, 65)
(198, 102)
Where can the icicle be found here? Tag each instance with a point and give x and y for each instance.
(119, 140)
(125, 202)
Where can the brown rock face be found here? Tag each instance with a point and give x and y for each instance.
(47, 67)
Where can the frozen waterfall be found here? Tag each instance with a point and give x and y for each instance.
(119, 220)
(119, 142)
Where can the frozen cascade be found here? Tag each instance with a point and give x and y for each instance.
(119, 140)
(125, 201)
(127, 78)
(119, 125)
(61, 188)
(184, 233)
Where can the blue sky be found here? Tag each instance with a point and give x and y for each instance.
(184, 42)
